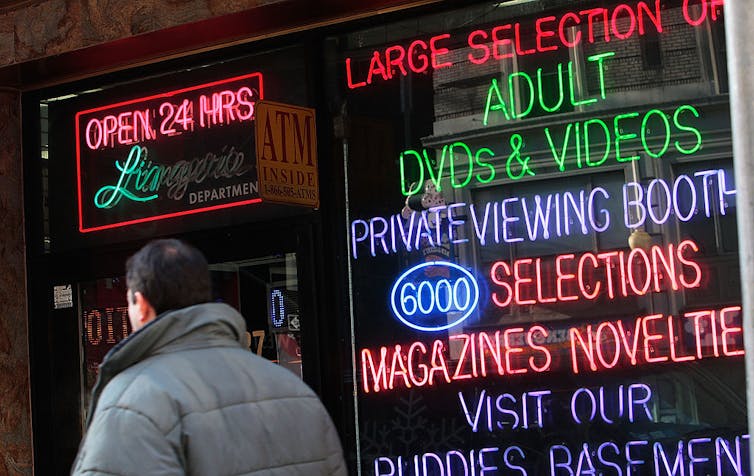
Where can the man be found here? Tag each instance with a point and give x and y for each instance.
(182, 394)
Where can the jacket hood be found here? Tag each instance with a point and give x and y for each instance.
(201, 325)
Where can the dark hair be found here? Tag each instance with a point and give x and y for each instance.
(170, 274)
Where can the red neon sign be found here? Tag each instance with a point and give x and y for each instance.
(512, 351)
(167, 155)
(140, 125)
(601, 346)
(549, 33)
(656, 339)
(610, 274)
(172, 110)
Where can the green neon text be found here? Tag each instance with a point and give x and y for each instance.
(456, 161)
(592, 142)
(110, 195)
(531, 91)
(140, 179)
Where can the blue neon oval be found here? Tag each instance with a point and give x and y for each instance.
(412, 276)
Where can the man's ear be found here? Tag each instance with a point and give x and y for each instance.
(145, 308)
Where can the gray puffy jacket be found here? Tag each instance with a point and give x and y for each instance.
(184, 396)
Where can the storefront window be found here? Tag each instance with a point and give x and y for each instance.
(542, 241)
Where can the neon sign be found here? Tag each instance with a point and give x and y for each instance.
(683, 186)
(483, 461)
(613, 274)
(642, 456)
(609, 343)
(149, 177)
(576, 145)
(719, 455)
(167, 155)
(614, 137)
(485, 411)
(602, 346)
(543, 217)
(103, 199)
(632, 402)
(172, 113)
(520, 84)
(508, 105)
(584, 406)
(505, 411)
(434, 296)
(549, 33)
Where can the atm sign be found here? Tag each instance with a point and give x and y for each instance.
(286, 142)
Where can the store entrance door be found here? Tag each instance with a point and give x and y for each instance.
(78, 312)
(264, 290)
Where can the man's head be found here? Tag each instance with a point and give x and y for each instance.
(164, 275)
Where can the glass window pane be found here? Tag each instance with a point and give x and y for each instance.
(542, 240)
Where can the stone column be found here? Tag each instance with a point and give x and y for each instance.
(15, 407)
